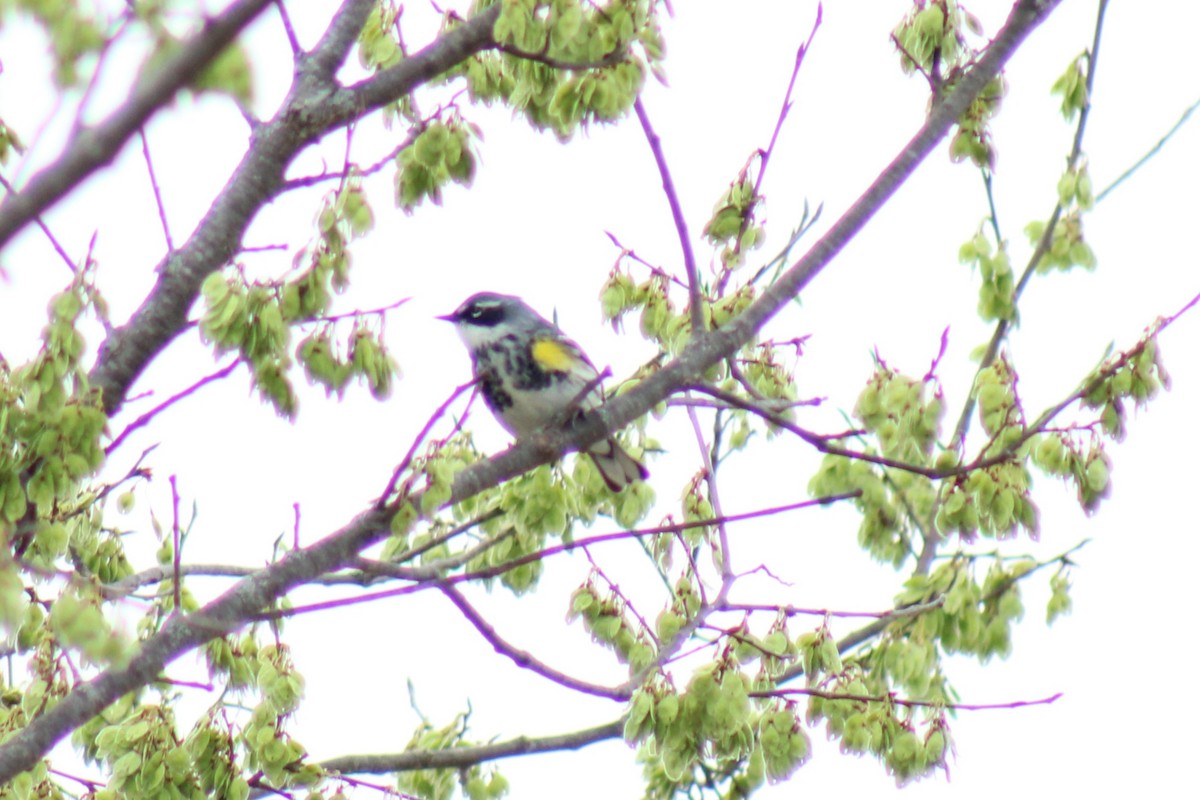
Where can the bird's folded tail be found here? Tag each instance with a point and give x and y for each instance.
(617, 467)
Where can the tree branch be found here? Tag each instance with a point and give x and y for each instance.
(462, 757)
(93, 148)
(710, 347)
(695, 301)
(932, 541)
(314, 107)
(522, 658)
(128, 350)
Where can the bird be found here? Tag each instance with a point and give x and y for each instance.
(531, 374)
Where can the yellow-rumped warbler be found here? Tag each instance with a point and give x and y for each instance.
(530, 374)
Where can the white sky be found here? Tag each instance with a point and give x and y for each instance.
(533, 224)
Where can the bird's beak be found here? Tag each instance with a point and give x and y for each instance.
(447, 317)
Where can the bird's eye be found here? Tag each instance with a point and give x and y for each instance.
(475, 312)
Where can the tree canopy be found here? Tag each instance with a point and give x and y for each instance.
(249, 500)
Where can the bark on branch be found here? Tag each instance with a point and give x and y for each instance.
(315, 106)
(96, 147)
(249, 596)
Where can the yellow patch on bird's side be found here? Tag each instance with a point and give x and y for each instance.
(553, 356)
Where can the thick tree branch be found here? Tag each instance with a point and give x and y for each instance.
(180, 279)
(714, 346)
(314, 107)
(184, 633)
(93, 148)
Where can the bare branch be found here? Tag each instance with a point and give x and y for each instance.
(462, 757)
(158, 201)
(522, 658)
(426, 575)
(695, 301)
(713, 346)
(164, 313)
(765, 155)
(96, 147)
(889, 698)
(792, 611)
(313, 108)
(144, 419)
(58, 248)
(613, 58)
(1151, 153)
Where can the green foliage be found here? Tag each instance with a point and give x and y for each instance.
(229, 73)
(567, 64)
(1072, 85)
(35, 784)
(973, 139)
(1060, 597)
(247, 318)
(975, 617)
(144, 757)
(267, 744)
(867, 723)
(897, 411)
(255, 319)
(713, 733)
(934, 32)
(934, 39)
(1136, 375)
(213, 751)
(1067, 248)
(901, 421)
(440, 153)
(608, 620)
(378, 48)
(997, 291)
(476, 782)
(733, 227)
(77, 622)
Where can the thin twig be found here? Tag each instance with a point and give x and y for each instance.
(406, 462)
(522, 658)
(529, 558)
(892, 699)
(933, 538)
(58, 248)
(175, 555)
(284, 18)
(765, 155)
(792, 611)
(144, 419)
(158, 201)
(466, 756)
(94, 147)
(695, 300)
(357, 313)
(323, 177)
(1151, 153)
(710, 479)
(612, 59)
